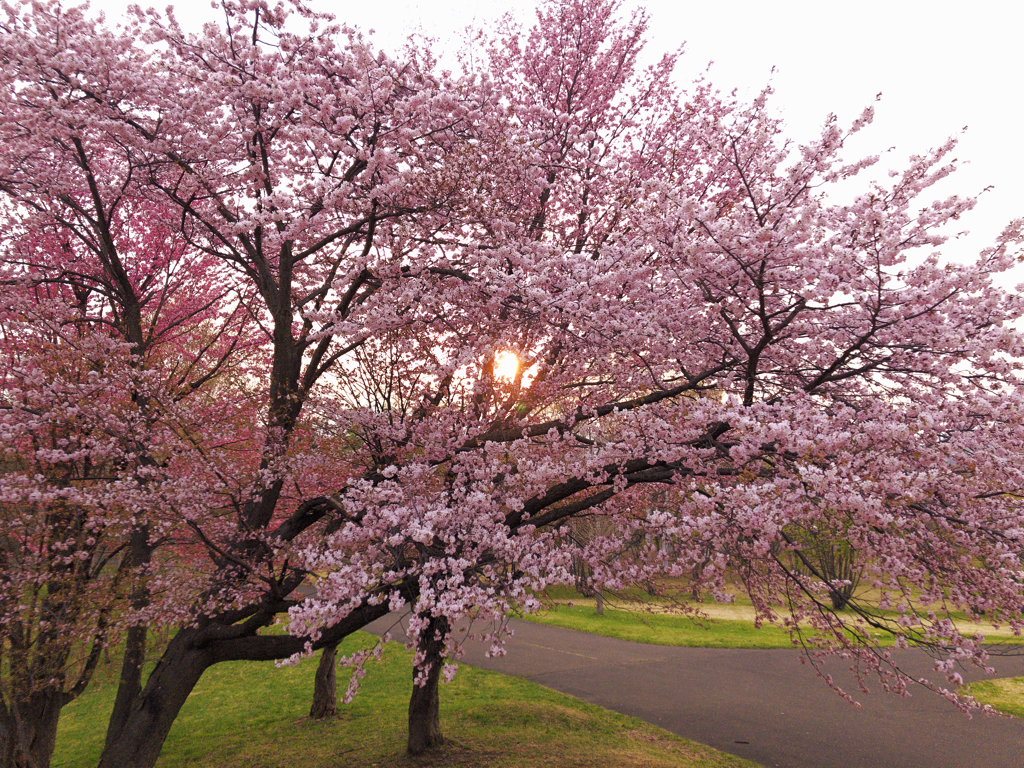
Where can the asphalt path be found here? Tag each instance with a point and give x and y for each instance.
(763, 705)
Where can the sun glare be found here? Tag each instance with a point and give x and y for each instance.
(506, 366)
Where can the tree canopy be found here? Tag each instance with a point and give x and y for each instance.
(262, 287)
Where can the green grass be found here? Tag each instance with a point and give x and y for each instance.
(1005, 694)
(663, 628)
(253, 715)
(657, 619)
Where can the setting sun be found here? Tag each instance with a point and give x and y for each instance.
(506, 366)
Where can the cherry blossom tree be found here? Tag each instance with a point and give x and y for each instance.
(92, 423)
(694, 303)
(59, 568)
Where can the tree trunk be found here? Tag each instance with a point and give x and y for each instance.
(424, 704)
(599, 602)
(130, 686)
(28, 730)
(184, 660)
(581, 576)
(150, 716)
(325, 685)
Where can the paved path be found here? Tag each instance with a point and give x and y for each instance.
(763, 705)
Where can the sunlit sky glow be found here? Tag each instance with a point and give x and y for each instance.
(939, 66)
(506, 366)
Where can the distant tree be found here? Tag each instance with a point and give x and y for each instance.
(826, 555)
(634, 245)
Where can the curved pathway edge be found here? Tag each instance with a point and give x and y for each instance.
(762, 705)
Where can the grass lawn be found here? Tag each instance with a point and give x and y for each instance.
(638, 616)
(662, 628)
(1005, 694)
(253, 715)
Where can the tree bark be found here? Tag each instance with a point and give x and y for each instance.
(186, 657)
(325, 685)
(130, 686)
(28, 729)
(424, 704)
(148, 720)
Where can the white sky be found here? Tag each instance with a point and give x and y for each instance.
(939, 66)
